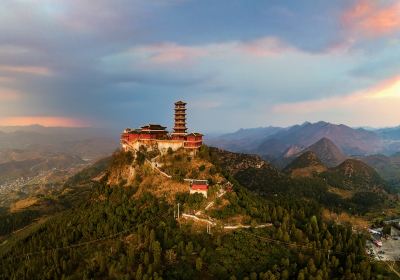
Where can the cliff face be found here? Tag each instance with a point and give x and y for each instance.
(122, 175)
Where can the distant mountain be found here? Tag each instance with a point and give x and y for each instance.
(88, 143)
(387, 166)
(392, 133)
(276, 142)
(242, 140)
(306, 165)
(329, 154)
(354, 174)
(351, 141)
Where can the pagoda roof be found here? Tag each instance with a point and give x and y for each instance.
(180, 102)
(194, 134)
(151, 126)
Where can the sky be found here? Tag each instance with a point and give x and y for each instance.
(238, 64)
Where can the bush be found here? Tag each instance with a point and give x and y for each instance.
(140, 158)
(213, 170)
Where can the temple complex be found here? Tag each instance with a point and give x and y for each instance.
(155, 136)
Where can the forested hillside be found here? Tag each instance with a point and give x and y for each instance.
(123, 232)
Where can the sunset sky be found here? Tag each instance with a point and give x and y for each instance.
(237, 63)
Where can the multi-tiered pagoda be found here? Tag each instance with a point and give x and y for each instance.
(156, 136)
(180, 121)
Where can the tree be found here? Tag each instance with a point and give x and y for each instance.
(156, 252)
(199, 264)
(139, 272)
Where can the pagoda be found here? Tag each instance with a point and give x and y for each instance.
(180, 121)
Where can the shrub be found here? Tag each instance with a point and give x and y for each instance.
(140, 158)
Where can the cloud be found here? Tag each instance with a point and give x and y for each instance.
(33, 70)
(122, 61)
(51, 121)
(376, 106)
(267, 46)
(9, 94)
(373, 18)
(169, 53)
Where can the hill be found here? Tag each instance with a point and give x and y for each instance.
(329, 154)
(354, 175)
(306, 165)
(121, 224)
(387, 166)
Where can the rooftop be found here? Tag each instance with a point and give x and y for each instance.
(180, 103)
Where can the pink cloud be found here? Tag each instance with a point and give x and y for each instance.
(371, 19)
(268, 46)
(377, 105)
(50, 121)
(172, 53)
(166, 53)
(33, 70)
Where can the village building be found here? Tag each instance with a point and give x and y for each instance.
(155, 136)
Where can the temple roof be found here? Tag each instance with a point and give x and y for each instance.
(194, 134)
(180, 102)
(151, 126)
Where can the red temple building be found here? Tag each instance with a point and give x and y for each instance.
(199, 186)
(156, 136)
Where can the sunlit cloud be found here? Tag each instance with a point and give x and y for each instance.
(267, 46)
(373, 18)
(171, 52)
(33, 70)
(375, 106)
(50, 121)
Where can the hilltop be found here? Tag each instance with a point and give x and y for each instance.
(354, 174)
(329, 154)
(307, 164)
(124, 207)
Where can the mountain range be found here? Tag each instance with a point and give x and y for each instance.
(274, 142)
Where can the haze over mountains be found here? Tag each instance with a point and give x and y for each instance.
(332, 144)
(87, 143)
(274, 141)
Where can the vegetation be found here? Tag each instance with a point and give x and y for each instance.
(14, 221)
(114, 232)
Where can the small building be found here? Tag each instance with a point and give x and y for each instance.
(199, 186)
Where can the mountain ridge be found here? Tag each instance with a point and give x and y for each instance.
(352, 141)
